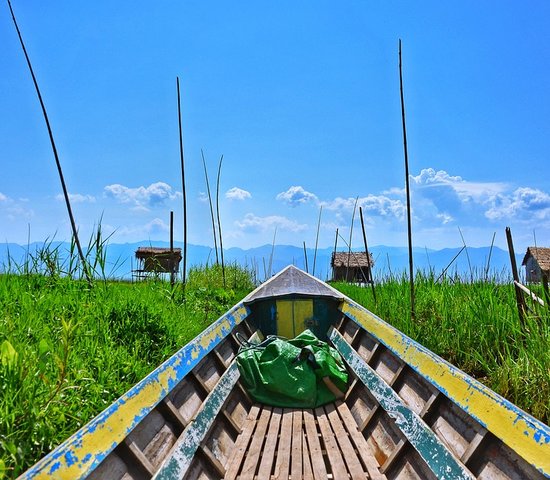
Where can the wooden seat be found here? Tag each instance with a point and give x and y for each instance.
(295, 444)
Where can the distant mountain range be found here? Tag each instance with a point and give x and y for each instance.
(120, 259)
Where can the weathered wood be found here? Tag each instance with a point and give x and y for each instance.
(308, 471)
(519, 296)
(256, 446)
(296, 463)
(526, 436)
(268, 454)
(183, 452)
(314, 446)
(331, 446)
(234, 464)
(430, 448)
(350, 457)
(359, 442)
(282, 465)
(292, 281)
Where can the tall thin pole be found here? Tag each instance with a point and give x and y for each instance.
(272, 252)
(317, 240)
(350, 237)
(334, 256)
(56, 156)
(369, 271)
(211, 207)
(183, 188)
(519, 295)
(218, 215)
(409, 222)
(171, 248)
(305, 258)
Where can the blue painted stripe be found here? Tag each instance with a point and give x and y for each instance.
(440, 460)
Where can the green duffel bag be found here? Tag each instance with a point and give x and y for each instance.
(302, 373)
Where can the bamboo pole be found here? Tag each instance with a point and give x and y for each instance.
(489, 259)
(523, 288)
(184, 277)
(334, 255)
(450, 263)
(218, 215)
(545, 287)
(520, 301)
(350, 237)
(317, 240)
(211, 207)
(272, 252)
(409, 221)
(370, 279)
(305, 257)
(171, 248)
(56, 156)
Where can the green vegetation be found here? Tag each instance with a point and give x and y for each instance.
(68, 350)
(475, 326)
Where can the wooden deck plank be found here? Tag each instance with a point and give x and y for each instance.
(350, 456)
(308, 471)
(315, 451)
(256, 444)
(282, 465)
(232, 467)
(331, 446)
(296, 456)
(359, 441)
(268, 455)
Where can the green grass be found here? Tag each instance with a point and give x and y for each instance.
(68, 350)
(475, 326)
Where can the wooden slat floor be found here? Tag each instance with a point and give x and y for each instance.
(295, 444)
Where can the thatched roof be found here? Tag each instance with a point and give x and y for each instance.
(145, 252)
(541, 256)
(355, 259)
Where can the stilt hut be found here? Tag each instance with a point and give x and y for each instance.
(157, 260)
(352, 267)
(537, 264)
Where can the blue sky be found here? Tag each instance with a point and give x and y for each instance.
(301, 98)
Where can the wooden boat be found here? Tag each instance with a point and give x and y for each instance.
(407, 414)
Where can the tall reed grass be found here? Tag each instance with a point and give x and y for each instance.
(68, 350)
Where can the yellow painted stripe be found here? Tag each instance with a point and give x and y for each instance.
(523, 433)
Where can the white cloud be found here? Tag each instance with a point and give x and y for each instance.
(155, 228)
(296, 195)
(254, 223)
(466, 191)
(236, 193)
(377, 205)
(142, 197)
(444, 217)
(76, 198)
(524, 203)
(14, 210)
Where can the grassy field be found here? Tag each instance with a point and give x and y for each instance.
(67, 351)
(475, 326)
